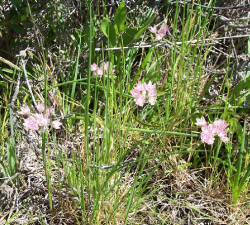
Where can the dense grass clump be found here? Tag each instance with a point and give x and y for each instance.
(124, 112)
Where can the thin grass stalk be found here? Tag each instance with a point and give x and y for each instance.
(12, 161)
(3, 130)
(162, 131)
(44, 141)
(44, 134)
(77, 64)
(216, 154)
(237, 184)
(59, 156)
(199, 63)
(86, 120)
(174, 60)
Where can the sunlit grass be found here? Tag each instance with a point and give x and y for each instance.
(113, 160)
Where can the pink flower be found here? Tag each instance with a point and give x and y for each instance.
(151, 91)
(220, 124)
(135, 93)
(40, 107)
(25, 110)
(153, 29)
(160, 33)
(209, 131)
(221, 133)
(152, 100)
(137, 90)
(140, 100)
(100, 71)
(201, 122)
(224, 139)
(106, 66)
(94, 67)
(31, 123)
(150, 87)
(49, 110)
(42, 121)
(142, 91)
(158, 37)
(207, 134)
(163, 31)
(141, 87)
(56, 124)
(38, 119)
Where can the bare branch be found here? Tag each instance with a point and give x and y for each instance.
(28, 84)
(153, 2)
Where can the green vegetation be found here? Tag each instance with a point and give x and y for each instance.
(123, 85)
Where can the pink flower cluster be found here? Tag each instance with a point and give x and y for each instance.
(159, 33)
(141, 92)
(105, 67)
(33, 122)
(209, 131)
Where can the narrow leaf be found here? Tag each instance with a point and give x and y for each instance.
(9, 63)
(87, 36)
(144, 27)
(238, 88)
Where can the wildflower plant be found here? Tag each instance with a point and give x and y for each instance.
(25, 110)
(100, 178)
(144, 93)
(104, 69)
(159, 34)
(209, 131)
(38, 120)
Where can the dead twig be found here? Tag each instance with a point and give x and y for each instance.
(14, 97)
(6, 79)
(8, 179)
(153, 2)
(28, 84)
(170, 47)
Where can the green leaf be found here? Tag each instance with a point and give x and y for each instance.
(27, 10)
(3, 83)
(128, 35)
(27, 25)
(87, 36)
(153, 76)
(238, 88)
(144, 27)
(10, 64)
(11, 157)
(54, 28)
(17, 29)
(104, 26)
(23, 17)
(5, 172)
(237, 127)
(17, 2)
(109, 31)
(120, 16)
